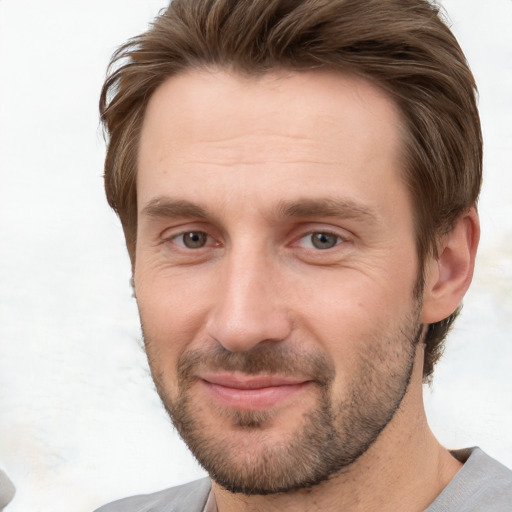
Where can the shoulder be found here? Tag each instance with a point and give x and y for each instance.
(190, 497)
(483, 484)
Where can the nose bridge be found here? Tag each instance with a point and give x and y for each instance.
(249, 308)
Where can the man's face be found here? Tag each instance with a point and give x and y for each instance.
(275, 269)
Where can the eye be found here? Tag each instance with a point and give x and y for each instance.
(192, 239)
(320, 240)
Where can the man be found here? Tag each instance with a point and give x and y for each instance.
(297, 183)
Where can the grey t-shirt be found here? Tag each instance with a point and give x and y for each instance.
(481, 485)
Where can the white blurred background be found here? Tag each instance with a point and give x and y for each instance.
(80, 423)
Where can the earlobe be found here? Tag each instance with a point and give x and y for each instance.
(449, 275)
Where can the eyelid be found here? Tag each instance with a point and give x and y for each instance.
(183, 226)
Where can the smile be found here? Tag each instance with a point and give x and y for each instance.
(252, 393)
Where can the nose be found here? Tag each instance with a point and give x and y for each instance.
(250, 306)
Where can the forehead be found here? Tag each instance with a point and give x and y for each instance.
(219, 127)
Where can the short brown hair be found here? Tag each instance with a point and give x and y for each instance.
(402, 46)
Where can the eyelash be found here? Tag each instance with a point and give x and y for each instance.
(174, 239)
(339, 239)
(206, 237)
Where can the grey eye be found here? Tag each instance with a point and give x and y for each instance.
(194, 239)
(324, 240)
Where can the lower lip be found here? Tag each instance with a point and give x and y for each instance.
(253, 399)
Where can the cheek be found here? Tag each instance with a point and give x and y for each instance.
(352, 301)
(351, 318)
(172, 311)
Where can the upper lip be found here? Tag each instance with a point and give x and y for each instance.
(244, 381)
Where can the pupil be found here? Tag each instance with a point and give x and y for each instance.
(194, 240)
(324, 240)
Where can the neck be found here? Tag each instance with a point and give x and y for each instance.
(404, 470)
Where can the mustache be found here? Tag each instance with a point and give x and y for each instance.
(266, 358)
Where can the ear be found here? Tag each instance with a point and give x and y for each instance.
(448, 276)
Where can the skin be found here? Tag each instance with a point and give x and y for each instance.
(253, 167)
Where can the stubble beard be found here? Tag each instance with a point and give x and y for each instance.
(330, 437)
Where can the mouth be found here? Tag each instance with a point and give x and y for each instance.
(252, 392)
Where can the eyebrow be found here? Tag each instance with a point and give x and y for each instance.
(173, 208)
(166, 207)
(326, 207)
